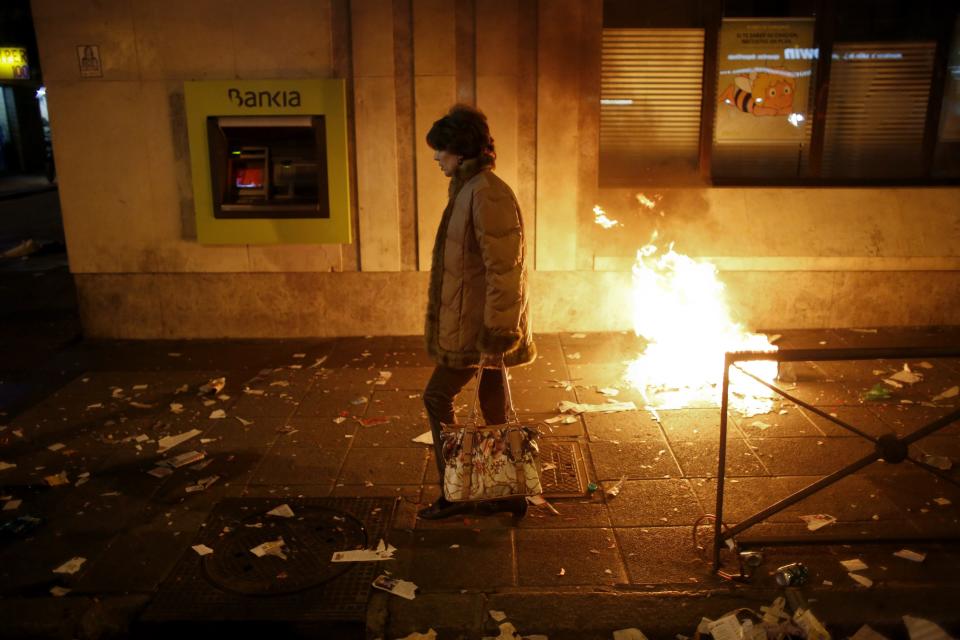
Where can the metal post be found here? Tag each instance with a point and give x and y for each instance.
(721, 467)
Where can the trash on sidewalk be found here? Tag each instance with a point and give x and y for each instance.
(946, 394)
(382, 552)
(906, 376)
(397, 587)
(7, 465)
(498, 616)
(270, 548)
(425, 438)
(812, 627)
(244, 423)
(566, 406)
(218, 414)
(169, 442)
(213, 387)
(318, 362)
(791, 575)
(176, 407)
(202, 484)
(877, 392)
(283, 511)
(614, 491)
(629, 634)
(539, 501)
(57, 479)
(942, 501)
(416, 635)
(373, 421)
(202, 550)
(818, 520)
(384, 378)
(56, 446)
(608, 391)
(854, 565)
(253, 392)
(725, 628)
(863, 581)
(21, 250)
(141, 405)
(183, 459)
(19, 526)
(867, 633)
(939, 462)
(71, 566)
(59, 592)
(913, 556)
(922, 629)
(160, 472)
(11, 505)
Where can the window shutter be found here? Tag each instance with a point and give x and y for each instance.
(650, 103)
(877, 109)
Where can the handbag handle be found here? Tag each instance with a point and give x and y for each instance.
(511, 411)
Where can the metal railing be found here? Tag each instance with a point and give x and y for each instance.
(889, 447)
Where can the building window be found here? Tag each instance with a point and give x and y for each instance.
(650, 99)
(763, 110)
(946, 162)
(877, 109)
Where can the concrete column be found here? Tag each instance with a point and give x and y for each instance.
(375, 117)
(434, 76)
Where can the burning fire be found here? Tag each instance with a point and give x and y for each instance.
(679, 308)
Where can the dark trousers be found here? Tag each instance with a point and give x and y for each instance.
(445, 384)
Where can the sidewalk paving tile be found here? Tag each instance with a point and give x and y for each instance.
(635, 459)
(653, 503)
(584, 556)
(663, 555)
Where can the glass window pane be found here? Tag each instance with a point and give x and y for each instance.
(947, 156)
(764, 107)
(877, 109)
(650, 97)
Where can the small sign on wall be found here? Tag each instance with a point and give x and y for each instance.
(88, 56)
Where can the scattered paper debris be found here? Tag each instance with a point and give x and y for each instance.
(942, 501)
(202, 484)
(397, 587)
(169, 442)
(317, 362)
(952, 392)
(202, 550)
(853, 565)
(425, 438)
(358, 400)
(213, 387)
(253, 392)
(578, 336)
(562, 572)
(861, 580)
(59, 592)
(283, 511)
(813, 628)
(608, 391)
(373, 421)
(56, 447)
(141, 405)
(877, 392)
(921, 629)
(631, 634)
(726, 628)
(71, 566)
(906, 376)
(540, 501)
(498, 616)
(7, 465)
(176, 407)
(913, 556)
(11, 505)
(566, 406)
(382, 552)
(218, 414)
(57, 479)
(184, 459)
(614, 491)
(270, 548)
(160, 472)
(339, 420)
(384, 377)
(760, 424)
(245, 423)
(280, 383)
(818, 520)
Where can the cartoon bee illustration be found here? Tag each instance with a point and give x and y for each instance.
(762, 94)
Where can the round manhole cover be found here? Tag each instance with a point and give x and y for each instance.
(310, 538)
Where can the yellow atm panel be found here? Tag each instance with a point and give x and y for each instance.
(269, 161)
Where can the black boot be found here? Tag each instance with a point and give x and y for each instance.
(443, 508)
(517, 506)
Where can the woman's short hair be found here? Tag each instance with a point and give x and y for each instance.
(464, 132)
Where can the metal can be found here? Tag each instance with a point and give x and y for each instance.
(793, 574)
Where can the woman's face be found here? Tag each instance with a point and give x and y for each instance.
(448, 162)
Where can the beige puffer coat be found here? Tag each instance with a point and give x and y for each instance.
(478, 298)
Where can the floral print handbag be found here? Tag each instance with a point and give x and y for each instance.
(493, 461)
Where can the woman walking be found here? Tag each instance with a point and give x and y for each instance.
(477, 310)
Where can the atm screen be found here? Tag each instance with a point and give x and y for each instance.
(250, 178)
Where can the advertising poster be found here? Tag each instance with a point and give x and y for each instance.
(765, 70)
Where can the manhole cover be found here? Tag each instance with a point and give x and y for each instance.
(234, 585)
(565, 473)
(310, 539)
